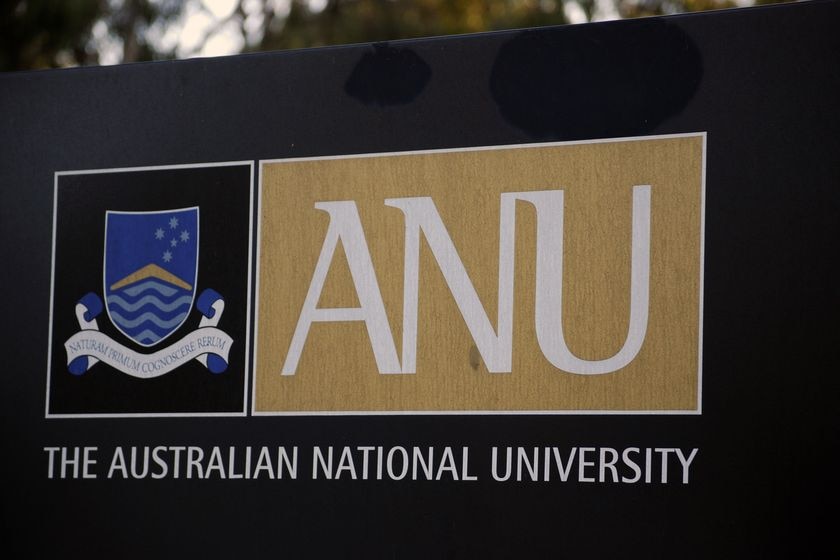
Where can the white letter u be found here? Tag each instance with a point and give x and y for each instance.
(549, 289)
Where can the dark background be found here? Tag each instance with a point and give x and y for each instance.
(762, 82)
(223, 195)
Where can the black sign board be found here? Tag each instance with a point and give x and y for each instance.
(184, 376)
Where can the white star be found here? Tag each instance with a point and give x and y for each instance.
(185, 236)
(159, 233)
(173, 242)
(173, 222)
(167, 256)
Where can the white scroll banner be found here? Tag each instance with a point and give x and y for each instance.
(200, 342)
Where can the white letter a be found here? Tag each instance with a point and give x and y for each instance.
(346, 227)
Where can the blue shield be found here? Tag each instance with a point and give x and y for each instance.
(150, 271)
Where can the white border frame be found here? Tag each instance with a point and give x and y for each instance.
(249, 288)
(697, 411)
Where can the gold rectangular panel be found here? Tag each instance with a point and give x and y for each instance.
(567, 222)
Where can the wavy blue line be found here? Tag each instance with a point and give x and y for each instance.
(154, 300)
(126, 323)
(147, 336)
(132, 315)
(163, 289)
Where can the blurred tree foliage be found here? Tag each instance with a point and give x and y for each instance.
(51, 33)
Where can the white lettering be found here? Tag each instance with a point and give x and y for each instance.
(495, 347)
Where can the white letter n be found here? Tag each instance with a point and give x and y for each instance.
(421, 215)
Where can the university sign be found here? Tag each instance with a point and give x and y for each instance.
(565, 292)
